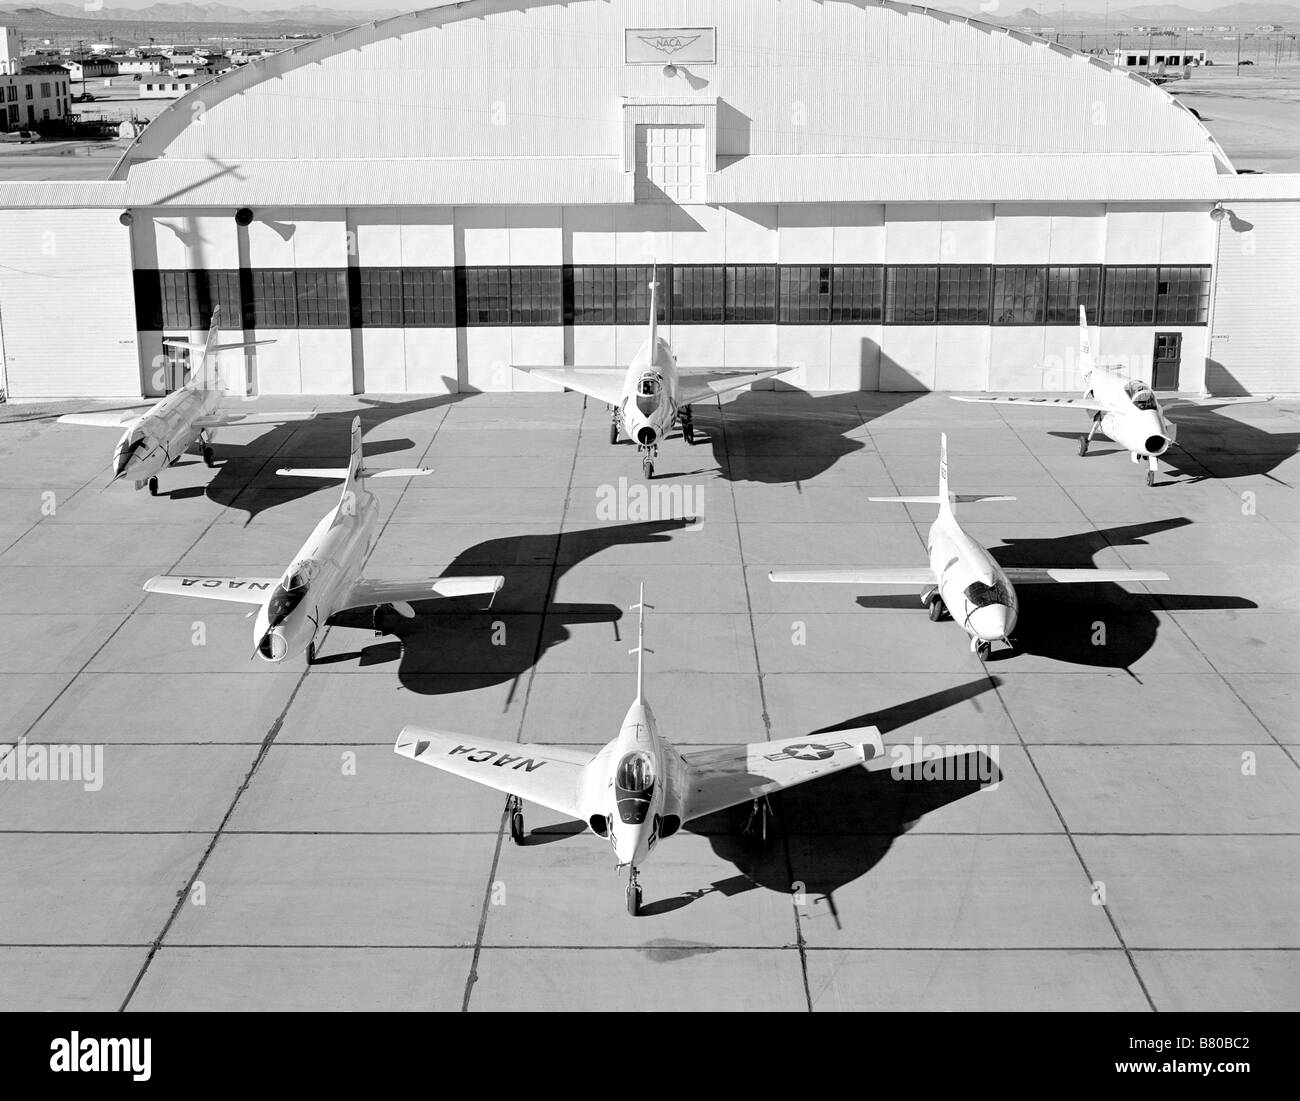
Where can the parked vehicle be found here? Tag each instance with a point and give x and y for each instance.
(85, 97)
(20, 136)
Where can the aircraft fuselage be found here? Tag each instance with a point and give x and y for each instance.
(973, 586)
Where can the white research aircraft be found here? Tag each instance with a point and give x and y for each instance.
(639, 789)
(325, 577)
(1123, 408)
(153, 440)
(962, 578)
(653, 394)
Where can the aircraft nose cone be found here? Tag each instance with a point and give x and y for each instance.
(989, 623)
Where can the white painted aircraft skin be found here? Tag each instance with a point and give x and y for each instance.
(639, 788)
(962, 577)
(325, 576)
(153, 440)
(653, 394)
(1123, 408)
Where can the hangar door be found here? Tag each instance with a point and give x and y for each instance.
(1255, 338)
(67, 305)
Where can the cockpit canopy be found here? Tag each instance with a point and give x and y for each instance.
(1140, 393)
(979, 594)
(634, 782)
(649, 388)
(300, 576)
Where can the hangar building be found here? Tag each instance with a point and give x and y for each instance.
(888, 196)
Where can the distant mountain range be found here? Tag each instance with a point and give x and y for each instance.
(75, 18)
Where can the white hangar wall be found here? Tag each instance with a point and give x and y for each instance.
(832, 356)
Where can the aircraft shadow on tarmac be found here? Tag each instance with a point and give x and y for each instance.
(1211, 444)
(795, 435)
(457, 646)
(1060, 622)
(245, 477)
(831, 831)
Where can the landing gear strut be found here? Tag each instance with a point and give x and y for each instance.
(982, 649)
(648, 456)
(377, 619)
(613, 426)
(515, 809)
(209, 459)
(1152, 467)
(153, 486)
(633, 894)
(1086, 440)
(688, 425)
(756, 827)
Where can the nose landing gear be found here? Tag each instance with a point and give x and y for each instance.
(1092, 431)
(649, 453)
(633, 894)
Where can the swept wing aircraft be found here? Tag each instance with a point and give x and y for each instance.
(325, 576)
(652, 395)
(1125, 409)
(639, 789)
(153, 440)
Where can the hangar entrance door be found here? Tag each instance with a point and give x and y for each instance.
(1166, 358)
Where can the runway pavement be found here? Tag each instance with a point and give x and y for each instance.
(255, 842)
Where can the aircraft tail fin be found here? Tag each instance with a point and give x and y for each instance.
(654, 306)
(1086, 362)
(945, 498)
(356, 471)
(640, 649)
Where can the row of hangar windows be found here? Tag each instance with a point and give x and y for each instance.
(793, 294)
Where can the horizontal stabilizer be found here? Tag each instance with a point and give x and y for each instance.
(342, 472)
(230, 420)
(902, 575)
(1038, 575)
(468, 586)
(959, 498)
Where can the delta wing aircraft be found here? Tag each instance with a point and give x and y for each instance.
(1125, 409)
(963, 579)
(653, 394)
(325, 576)
(639, 789)
(153, 440)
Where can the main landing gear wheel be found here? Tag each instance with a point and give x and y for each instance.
(514, 807)
(209, 459)
(153, 486)
(613, 429)
(311, 653)
(377, 620)
(633, 895)
(688, 426)
(1083, 445)
(1151, 477)
(936, 608)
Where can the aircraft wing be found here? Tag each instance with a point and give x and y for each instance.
(602, 383)
(700, 383)
(101, 420)
(226, 420)
(1037, 575)
(366, 593)
(1073, 403)
(721, 778)
(549, 775)
(241, 590)
(902, 575)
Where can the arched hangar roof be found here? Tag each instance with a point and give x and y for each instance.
(812, 100)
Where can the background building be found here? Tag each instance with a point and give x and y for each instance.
(888, 196)
(28, 95)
